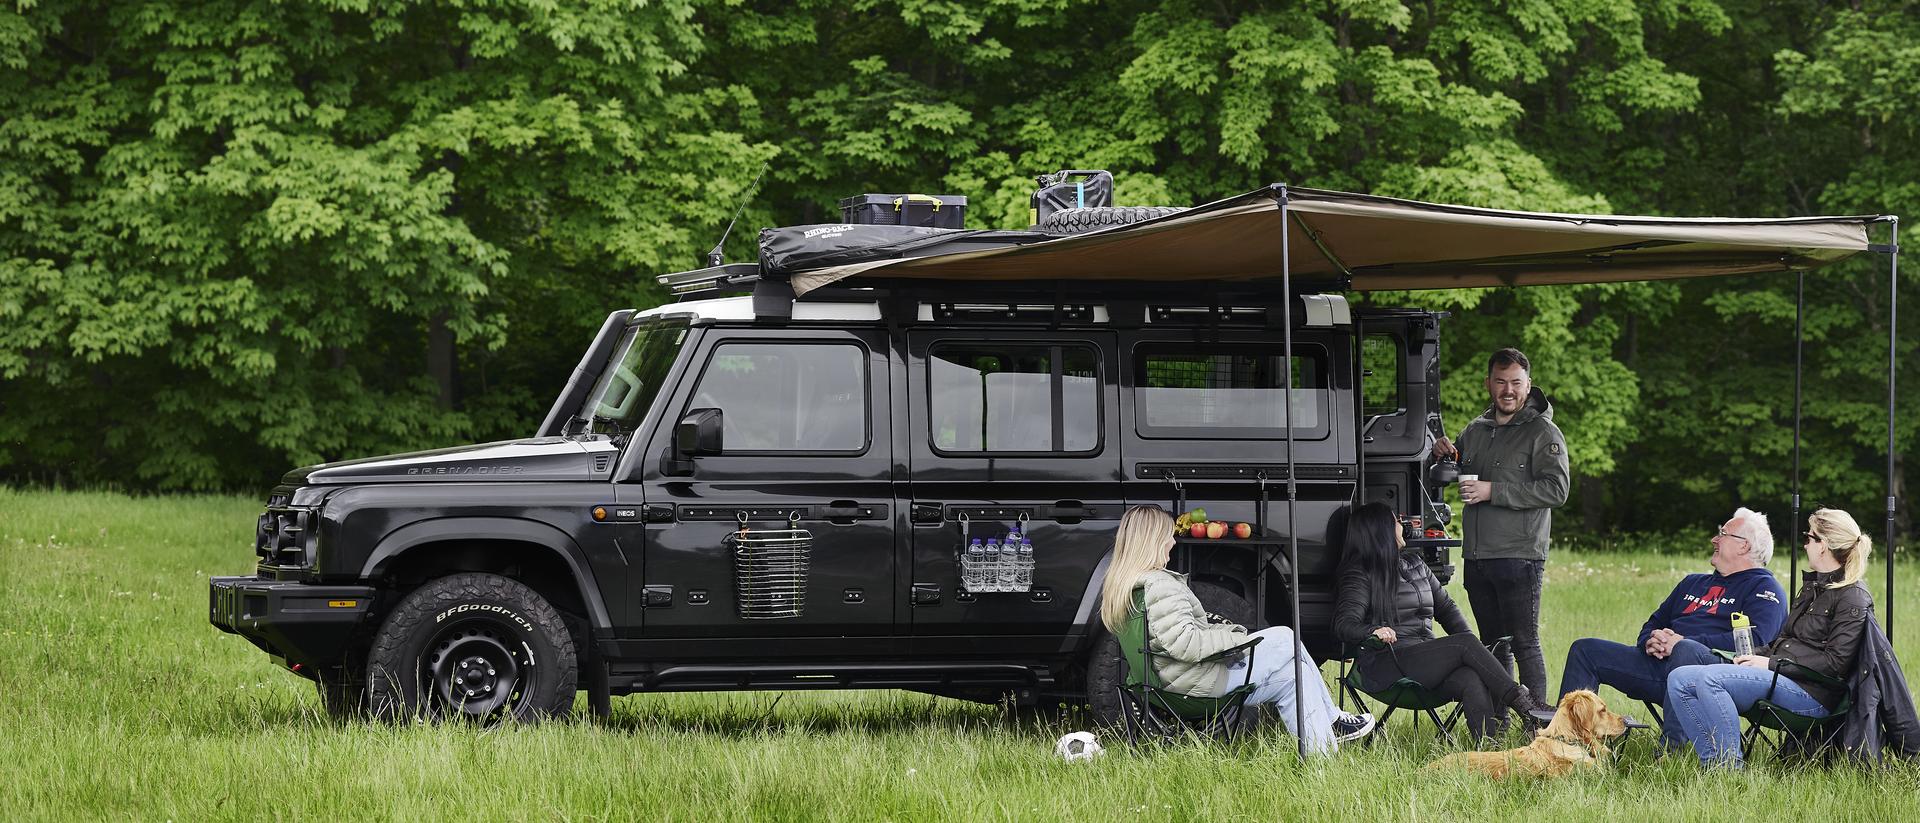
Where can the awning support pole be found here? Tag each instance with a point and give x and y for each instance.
(1286, 420)
(1793, 526)
(1893, 326)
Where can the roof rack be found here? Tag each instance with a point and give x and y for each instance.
(711, 278)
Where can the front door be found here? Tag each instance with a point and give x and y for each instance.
(788, 531)
(1010, 430)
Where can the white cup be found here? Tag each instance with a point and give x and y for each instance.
(1465, 479)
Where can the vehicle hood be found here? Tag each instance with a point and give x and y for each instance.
(541, 458)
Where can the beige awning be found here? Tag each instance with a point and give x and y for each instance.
(1386, 243)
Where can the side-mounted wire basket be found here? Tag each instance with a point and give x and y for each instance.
(770, 570)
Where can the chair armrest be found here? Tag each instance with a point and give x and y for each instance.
(1500, 643)
(1783, 664)
(1233, 651)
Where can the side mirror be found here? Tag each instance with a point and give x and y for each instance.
(698, 433)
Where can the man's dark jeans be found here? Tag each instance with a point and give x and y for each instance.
(1636, 674)
(1505, 595)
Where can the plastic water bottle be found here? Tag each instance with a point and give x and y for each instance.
(971, 566)
(1024, 573)
(1742, 635)
(990, 573)
(1009, 576)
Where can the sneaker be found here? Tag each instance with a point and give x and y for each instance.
(1352, 727)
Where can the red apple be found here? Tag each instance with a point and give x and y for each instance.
(1198, 530)
(1216, 530)
(1243, 530)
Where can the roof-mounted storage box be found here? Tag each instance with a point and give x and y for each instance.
(934, 211)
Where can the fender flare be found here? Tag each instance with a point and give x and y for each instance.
(532, 532)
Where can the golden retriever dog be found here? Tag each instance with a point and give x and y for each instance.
(1576, 738)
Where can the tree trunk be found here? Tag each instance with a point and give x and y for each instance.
(441, 362)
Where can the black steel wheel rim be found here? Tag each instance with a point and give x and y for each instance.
(477, 668)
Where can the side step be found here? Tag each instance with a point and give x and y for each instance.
(706, 677)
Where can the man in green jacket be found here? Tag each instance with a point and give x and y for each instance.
(1519, 460)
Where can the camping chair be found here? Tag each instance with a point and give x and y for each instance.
(1148, 710)
(1787, 733)
(1405, 693)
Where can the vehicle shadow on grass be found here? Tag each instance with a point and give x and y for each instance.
(761, 714)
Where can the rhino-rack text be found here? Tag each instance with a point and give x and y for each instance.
(468, 470)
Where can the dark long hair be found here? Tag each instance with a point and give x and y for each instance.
(1371, 549)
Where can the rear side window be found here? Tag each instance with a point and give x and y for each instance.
(1380, 389)
(1005, 397)
(1237, 391)
(787, 397)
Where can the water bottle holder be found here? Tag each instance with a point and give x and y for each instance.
(992, 576)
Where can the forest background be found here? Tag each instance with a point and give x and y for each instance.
(238, 236)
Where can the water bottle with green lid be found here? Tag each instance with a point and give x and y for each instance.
(1742, 635)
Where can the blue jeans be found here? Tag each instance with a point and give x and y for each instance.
(1273, 685)
(1593, 662)
(1708, 700)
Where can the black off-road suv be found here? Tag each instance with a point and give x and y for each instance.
(745, 490)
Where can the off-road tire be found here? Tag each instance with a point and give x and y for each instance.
(1105, 665)
(1081, 221)
(456, 626)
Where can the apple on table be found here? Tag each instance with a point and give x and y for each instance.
(1216, 530)
(1243, 530)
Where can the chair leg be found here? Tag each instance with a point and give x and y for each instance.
(1453, 721)
(1440, 729)
(1380, 725)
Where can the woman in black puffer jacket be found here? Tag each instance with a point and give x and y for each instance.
(1388, 594)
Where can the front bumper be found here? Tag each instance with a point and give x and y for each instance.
(300, 622)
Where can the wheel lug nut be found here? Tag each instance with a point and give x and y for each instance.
(460, 680)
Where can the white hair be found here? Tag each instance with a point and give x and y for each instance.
(1759, 534)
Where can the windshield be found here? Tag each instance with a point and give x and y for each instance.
(632, 377)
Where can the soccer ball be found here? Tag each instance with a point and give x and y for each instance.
(1078, 746)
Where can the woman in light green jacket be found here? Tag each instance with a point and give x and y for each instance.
(1183, 637)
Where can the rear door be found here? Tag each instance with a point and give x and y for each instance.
(807, 455)
(1010, 429)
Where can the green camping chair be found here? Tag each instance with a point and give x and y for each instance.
(1405, 693)
(1151, 712)
(1785, 732)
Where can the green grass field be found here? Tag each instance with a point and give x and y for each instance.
(118, 700)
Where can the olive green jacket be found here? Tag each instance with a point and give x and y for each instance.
(1526, 460)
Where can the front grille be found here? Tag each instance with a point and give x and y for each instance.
(281, 536)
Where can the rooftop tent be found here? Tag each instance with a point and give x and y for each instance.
(1377, 243)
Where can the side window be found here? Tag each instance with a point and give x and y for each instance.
(1187, 390)
(1006, 397)
(787, 397)
(1382, 356)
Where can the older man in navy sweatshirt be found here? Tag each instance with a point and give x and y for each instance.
(1697, 617)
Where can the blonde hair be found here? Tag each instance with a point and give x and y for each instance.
(1844, 540)
(1144, 532)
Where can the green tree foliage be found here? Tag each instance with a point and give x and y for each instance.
(237, 236)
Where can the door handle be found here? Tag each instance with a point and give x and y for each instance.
(926, 594)
(1070, 512)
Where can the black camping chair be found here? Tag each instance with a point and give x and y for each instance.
(1404, 693)
(1787, 733)
(1152, 713)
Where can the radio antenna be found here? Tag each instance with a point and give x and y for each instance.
(718, 255)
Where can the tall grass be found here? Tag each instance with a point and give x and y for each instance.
(117, 700)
